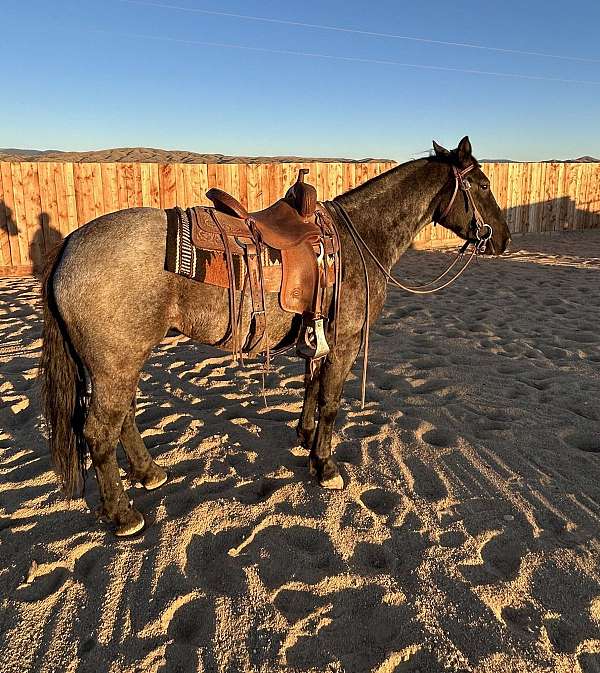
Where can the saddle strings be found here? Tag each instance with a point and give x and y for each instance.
(232, 328)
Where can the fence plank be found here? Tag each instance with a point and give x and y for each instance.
(49, 205)
(243, 184)
(5, 253)
(168, 187)
(8, 202)
(253, 187)
(19, 212)
(110, 187)
(348, 177)
(83, 192)
(33, 212)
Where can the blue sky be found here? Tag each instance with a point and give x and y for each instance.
(91, 74)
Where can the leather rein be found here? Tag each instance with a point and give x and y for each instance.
(483, 235)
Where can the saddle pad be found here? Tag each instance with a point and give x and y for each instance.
(185, 259)
(208, 266)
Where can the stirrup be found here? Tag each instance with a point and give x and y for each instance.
(312, 343)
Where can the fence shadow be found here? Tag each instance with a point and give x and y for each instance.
(24, 249)
(46, 238)
(553, 215)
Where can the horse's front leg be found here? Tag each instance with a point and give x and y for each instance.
(307, 423)
(334, 372)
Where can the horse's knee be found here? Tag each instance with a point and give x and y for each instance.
(328, 410)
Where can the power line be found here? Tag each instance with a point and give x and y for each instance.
(352, 59)
(355, 31)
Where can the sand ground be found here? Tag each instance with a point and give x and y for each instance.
(467, 538)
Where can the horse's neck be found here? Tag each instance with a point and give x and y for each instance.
(390, 210)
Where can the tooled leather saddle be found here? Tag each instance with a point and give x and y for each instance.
(291, 248)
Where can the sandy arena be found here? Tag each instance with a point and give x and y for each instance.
(467, 538)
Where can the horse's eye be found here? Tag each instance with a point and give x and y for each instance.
(484, 185)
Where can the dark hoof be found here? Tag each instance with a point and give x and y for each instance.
(131, 524)
(156, 479)
(326, 473)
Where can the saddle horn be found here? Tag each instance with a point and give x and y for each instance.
(302, 196)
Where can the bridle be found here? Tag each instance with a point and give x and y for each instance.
(483, 231)
(482, 236)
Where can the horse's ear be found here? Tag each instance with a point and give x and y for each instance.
(439, 150)
(464, 152)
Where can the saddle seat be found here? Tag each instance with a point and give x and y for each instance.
(283, 225)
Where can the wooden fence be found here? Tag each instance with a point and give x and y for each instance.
(40, 202)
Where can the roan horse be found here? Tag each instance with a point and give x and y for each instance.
(108, 301)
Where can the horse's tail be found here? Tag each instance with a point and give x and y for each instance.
(60, 370)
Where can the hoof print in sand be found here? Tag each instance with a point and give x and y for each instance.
(563, 636)
(295, 554)
(191, 632)
(210, 564)
(502, 557)
(380, 501)
(452, 538)
(439, 438)
(43, 586)
(426, 482)
(374, 558)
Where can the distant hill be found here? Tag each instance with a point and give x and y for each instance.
(581, 160)
(152, 155)
(23, 153)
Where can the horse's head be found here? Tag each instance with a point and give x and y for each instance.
(467, 206)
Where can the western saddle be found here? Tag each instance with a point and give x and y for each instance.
(292, 248)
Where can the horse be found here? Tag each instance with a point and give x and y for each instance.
(108, 300)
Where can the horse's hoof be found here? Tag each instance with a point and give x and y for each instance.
(135, 525)
(156, 480)
(335, 483)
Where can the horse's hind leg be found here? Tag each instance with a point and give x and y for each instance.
(109, 406)
(143, 468)
(307, 423)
